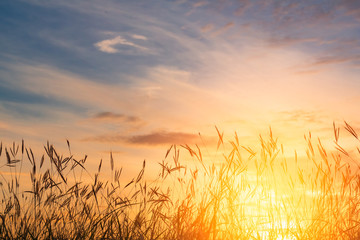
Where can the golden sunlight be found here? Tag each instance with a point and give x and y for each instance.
(108, 108)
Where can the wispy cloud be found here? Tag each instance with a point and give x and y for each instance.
(60, 85)
(223, 29)
(244, 5)
(289, 40)
(200, 4)
(335, 59)
(306, 72)
(111, 116)
(155, 138)
(301, 116)
(159, 138)
(109, 45)
(140, 37)
(207, 28)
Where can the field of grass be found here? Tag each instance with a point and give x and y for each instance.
(249, 192)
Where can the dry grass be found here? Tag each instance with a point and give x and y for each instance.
(252, 192)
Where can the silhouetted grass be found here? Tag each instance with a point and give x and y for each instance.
(251, 192)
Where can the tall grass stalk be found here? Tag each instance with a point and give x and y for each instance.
(251, 192)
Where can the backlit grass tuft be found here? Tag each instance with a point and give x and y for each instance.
(250, 192)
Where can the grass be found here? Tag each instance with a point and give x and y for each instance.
(251, 192)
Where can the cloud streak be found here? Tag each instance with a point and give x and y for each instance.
(163, 137)
(200, 4)
(301, 116)
(115, 117)
(335, 59)
(109, 45)
(224, 28)
(151, 139)
(207, 28)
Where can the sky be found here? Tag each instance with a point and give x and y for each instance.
(135, 77)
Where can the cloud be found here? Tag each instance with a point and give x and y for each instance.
(224, 28)
(301, 116)
(221, 66)
(139, 37)
(335, 59)
(69, 89)
(108, 45)
(159, 138)
(306, 72)
(200, 4)
(244, 5)
(110, 116)
(288, 40)
(155, 138)
(207, 28)
(352, 8)
(196, 5)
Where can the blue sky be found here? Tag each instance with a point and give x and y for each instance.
(134, 76)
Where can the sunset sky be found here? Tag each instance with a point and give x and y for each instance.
(134, 77)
